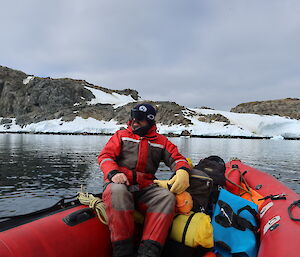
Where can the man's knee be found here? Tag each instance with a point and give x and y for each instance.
(168, 196)
(119, 197)
(118, 189)
(163, 202)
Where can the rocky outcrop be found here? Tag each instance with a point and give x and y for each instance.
(214, 117)
(32, 99)
(289, 107)
(36, 99)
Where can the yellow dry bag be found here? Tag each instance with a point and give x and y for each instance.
(193, 230)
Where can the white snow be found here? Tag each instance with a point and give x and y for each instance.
(277, 138)
(260, 125)
(78, 125)
(247, 125)
(115, 99)
(27, 80)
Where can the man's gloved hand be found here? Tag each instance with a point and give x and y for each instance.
(177, 184)
(180, 182)
(163, 183)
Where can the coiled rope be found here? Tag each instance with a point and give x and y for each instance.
(94, 203)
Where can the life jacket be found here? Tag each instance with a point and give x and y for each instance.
(235, 226)
(193, 230)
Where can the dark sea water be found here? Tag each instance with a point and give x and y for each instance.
(38, 170)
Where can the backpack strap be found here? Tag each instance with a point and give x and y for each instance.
(251, 210)
(243, 223)
(186, 227)
(228, 218)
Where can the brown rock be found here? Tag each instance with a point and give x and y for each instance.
(289, 107)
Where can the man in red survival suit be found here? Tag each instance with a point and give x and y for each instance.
(129, 162)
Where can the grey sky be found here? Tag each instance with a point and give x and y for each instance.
(215, 53)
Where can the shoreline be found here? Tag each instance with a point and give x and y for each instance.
(167, 135)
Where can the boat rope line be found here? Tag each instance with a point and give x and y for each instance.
(294, 204)
(94, 203)
(246, 190)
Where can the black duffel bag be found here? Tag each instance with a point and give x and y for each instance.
(200, 189)
(214, 167)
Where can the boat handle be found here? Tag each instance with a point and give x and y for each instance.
(296, 203)
(271, 223)
(79, 216)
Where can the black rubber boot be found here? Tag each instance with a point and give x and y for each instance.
(149, 248)
(123, 248)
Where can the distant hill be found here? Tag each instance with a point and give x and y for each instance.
(27, 99)
(32, 104)
(289, 107)
(32, 99)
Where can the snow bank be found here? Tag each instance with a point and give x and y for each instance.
(260, 125)
(241, 125)
(78, 125)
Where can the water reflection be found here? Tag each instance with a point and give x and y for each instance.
(37, 170)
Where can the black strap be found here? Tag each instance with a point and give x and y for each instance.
(243, 224)
(296, 203)
(227, 217)
(223, 246)
(249, 209)
(186, 227)
(274, 197)
(254, 214)
(176, 215)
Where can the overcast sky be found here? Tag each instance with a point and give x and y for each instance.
(215, 53)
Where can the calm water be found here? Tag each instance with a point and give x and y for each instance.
(37, 170)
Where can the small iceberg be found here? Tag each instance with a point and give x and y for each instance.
(279, 137)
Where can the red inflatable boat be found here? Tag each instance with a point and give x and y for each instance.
(279, 213)
(69, 231)
(72, 230)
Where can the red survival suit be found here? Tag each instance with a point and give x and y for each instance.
(138, 158)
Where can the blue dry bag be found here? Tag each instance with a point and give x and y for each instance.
(235, 226)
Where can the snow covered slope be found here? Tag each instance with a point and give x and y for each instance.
(115, 99)
(241, 125)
